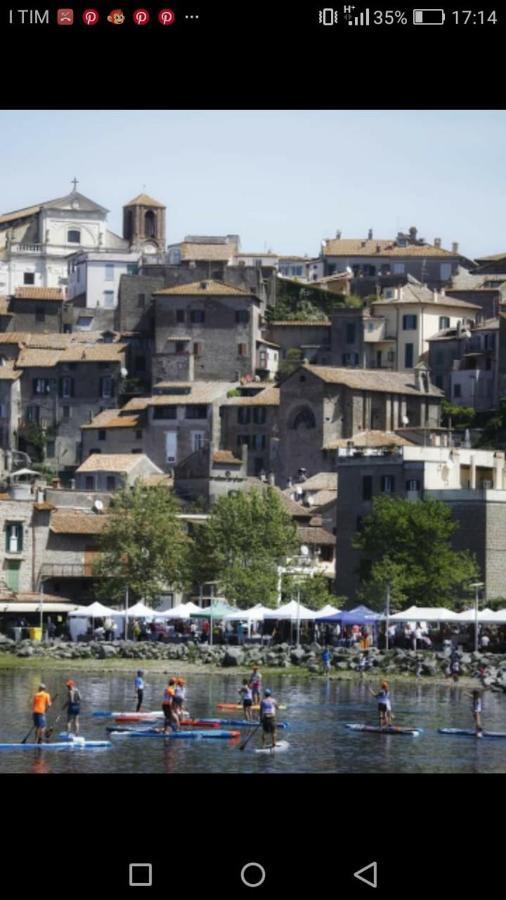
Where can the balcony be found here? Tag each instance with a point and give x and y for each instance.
(26, 248)
(66, 570)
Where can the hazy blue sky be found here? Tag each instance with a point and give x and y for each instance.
(283, 180)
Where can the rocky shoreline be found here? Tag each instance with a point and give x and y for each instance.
(307, 658)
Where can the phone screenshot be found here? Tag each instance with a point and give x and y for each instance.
(252, 450)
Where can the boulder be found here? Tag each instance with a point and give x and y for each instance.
(297, 655)
(233, 657)
(24, 651)
(313, 668)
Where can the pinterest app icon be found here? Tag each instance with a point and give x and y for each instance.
(166, 17)
(141, 17)
(90, 17)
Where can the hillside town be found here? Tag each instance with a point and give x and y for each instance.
(374, 367)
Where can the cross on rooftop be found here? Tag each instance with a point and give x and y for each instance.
(75, 183)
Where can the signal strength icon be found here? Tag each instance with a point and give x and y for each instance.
(362, 19)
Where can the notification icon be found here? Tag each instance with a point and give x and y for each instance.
(65, 17)
(91, 17)
(166, 17)
(141, 17)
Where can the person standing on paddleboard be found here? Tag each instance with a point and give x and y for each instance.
(73, 706)
(40, 704)
(171, 718)
(255, 683)
(139, 689)
(268, 710)
(179, 696)
(247, 699)
(384, 705)
(477, 707)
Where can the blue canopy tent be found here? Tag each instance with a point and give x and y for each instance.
(360, 615)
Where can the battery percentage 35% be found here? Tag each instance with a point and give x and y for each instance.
(390, 17)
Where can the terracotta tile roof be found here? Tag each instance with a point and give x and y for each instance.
(94, 353)
(154, 480)
(76, 522)
(214, 252)
(112, 418)
(371, 380)
(201, 392)
(173, 384)
(8, 373)
(268, 397)
(323, 498)
(226, 456)
(370, 439)
(268, 343)
(136, 403)
(496, 257)
(314, 323)
(206, 288)
(412, 294)
(145, 200)
(311, 535)
(39, 293)
(20, 213)
(13, 337)
(38, 359)
(44, 506)
(322, 481)
(31, 597)
(357, 247)
(111, 462)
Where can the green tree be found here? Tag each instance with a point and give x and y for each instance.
(291, 362)
(461, 416)
(144, 545)
(245, 538)
(408, 545)
(315, 591)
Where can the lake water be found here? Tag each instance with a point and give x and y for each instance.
(317, 711)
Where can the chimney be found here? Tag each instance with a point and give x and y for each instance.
(338, 235)
(455, 247)
(369, 235)
(271, 479)
(437, 243)
(434, 296)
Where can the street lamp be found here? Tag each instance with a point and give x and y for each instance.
(387, 618)
(477, 585)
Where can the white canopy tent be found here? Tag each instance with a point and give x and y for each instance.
(181, 611)
(328, 610)
(255, 614)
(48, 607)
(78, 618)
(140, 611)
(425, 614)
(486, 616)
(293, 612)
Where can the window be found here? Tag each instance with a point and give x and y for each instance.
(198, 438)
(150, 224)
(66, 412)
(180, 316)
(243, 415)
(197, 316)
(13, 537)
(43, 385)
(387, 484)
(28, 277)
(107, 387)
(108, 299)
(111, 483)
(242, 316)
(304, 417)
(391, 356)
(399, 268)
(73, 236)
(242, 349)
(32, 414)
(259, 415)
(165, 412)
(445, 271)
(141, 301)
(12, 568)
(40, 314)
(258, 441)
(350, 359)
(138, 435)
(409, 323)
(413, 484)
(132, 269)
(140, 363)
(408, 356)
(444, 322)
(78, 274)
(89, 483)
(196, 411)
(50, 448)
(439, 381)
(181, 346)
(366, 487)
(136, 450)
(198, 348)
(457, 390)
(102, 434)
(351, 332)
(84, 322)
(66, 387)
(109, 272)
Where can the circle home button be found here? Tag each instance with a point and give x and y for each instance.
(253, 875)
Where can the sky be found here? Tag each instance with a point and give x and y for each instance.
(282, 180)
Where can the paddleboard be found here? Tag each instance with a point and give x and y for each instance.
(188, 735)
(239, 706)
(388, 729)
(469, 732)
(280, 747)
(58, 745)
(234, 723)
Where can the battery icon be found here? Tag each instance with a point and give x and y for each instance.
(428, 16)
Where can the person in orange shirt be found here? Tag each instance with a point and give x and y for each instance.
(40, 705)
(168, 707)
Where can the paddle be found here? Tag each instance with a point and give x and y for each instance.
(250, 735)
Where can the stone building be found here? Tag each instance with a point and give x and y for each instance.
(311, 338)
(61, 389)
(205, 331)
(320, 404)
(464, 362)
(168, 426)
(36, 309)
(252, 421)
(471, 482)
(113, 471)
(144, 225)
(10, 404)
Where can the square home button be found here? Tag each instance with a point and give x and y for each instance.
(140, 875)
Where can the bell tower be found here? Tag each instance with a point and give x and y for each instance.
(144, 224)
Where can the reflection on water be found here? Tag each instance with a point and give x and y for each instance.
(317, 711)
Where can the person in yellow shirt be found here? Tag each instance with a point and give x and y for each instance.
(40, 705)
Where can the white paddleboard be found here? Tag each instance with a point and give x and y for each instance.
(280, 747)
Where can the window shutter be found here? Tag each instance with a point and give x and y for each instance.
(34, 385)
(113, 387)
(71, 387)
(101, 386)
